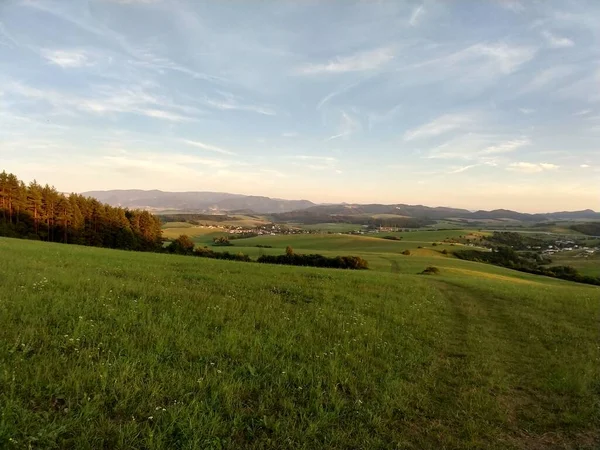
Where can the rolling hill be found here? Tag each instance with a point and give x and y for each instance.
(116, 349)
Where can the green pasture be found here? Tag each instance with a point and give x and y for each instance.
(114, 349)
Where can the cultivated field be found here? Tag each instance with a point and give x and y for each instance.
(113, 349)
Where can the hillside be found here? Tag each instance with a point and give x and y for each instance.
(116, 349)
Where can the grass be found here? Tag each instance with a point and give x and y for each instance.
(586, 265)
(112, 349)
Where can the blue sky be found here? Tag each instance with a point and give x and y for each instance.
(459, 103)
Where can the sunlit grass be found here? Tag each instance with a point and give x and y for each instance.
(113, 349)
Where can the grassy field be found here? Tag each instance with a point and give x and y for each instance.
(113, 349)
(333, 227)
(199, 234)
(587, 266)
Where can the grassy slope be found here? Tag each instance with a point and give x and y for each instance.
(102, 348)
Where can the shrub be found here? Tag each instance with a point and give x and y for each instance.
(183, 245)
(431, 270)
(221, 241)
(444, 252)
(315, 260)
(407, 252)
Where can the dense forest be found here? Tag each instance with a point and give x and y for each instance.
(40, 212)
(589, 228)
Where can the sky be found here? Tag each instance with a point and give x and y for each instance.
(471, 104)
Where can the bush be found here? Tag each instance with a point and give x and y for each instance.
(222, 241)
(316, 260)
(407, 252)
(208, 253)
(431, 270)
(444, 252)
(183, 245)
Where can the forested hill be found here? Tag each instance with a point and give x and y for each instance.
(197, 201)
(40, 212)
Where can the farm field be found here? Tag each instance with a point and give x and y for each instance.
(587, 266)
(113, 349)
(199, 234)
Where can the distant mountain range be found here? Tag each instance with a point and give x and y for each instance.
(438, 213)
(220, 203)
(205, 202)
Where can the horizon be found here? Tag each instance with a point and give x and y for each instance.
(335, 203)
(418, 103)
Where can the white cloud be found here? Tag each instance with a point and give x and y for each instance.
(362, 61)
(209, 147)
(557, 41)
(583, 112)
(441, 125)
(106, 100)
(160, 114)
(464, 168)
(506, 147)
(415, 16)
(525, 167)
(485, 59)
(584, 166)
(67, 58)
(289, 134)
(526, 111)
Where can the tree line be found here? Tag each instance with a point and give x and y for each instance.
(33, 211)
(184, 245)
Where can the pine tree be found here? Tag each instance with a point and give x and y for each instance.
(34, 204)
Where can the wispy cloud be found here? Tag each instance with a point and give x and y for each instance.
(67, 58)
(289, 134)
(7, 35)
(584, 166)
(230, 102)
(512, 5)
(464, 168)
(526, 167)
(416, 15)
(506, 147)
(436, 127)
(555, 41)
(548, 77)
(481, 60)
(209, 147)
(359, 62)
(107, 100)
(526, 111)
(348, 126)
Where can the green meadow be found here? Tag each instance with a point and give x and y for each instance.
(114, 349)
